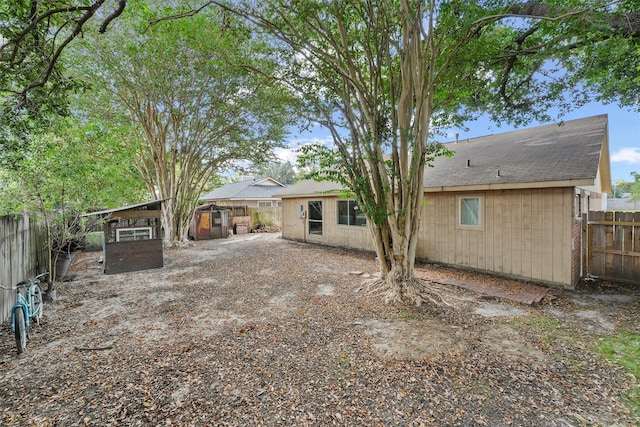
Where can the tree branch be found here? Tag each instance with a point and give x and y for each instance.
(121, 5)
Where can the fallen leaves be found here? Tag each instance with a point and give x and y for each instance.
(211, 341)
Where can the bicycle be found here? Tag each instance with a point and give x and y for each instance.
(29, 305)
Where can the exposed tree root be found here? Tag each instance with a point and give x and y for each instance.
(177, 244)
(414, 291)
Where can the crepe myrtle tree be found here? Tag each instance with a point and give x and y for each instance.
(385, 75)
(196, 106)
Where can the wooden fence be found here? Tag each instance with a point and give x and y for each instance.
(22, 255)
(614, 246)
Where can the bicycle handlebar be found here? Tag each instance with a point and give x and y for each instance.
(26, 282)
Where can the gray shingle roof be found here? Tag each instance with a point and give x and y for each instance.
(245, 190)
(552, 153)
(567, 154)
(308, 187)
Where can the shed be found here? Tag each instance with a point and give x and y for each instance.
(512, 204)
(132, 237)
(210, 222)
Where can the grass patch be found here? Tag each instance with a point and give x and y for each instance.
(403, 315)
(624, 350)
(545, 328)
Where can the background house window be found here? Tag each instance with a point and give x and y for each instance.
(264, 204)
(349, 213)
(315, 217)
(128, 234)
(470, 212)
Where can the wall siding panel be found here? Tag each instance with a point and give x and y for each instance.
(527, 233)
(526, 227)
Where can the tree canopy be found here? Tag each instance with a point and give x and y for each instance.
(194, 102)
(384, 75)
(33, 83)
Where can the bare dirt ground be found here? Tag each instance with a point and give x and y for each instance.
(258, 331)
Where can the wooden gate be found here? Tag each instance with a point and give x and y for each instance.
(614, 246)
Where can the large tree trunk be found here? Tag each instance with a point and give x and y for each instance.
(396, 238)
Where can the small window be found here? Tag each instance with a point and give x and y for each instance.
(349, 213)
(315, 217)
(470, 212)
(264, 204)
(128, 234)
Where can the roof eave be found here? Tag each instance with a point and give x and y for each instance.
(511, 185)
(604, 166)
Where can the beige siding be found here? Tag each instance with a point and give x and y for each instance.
(332, 233)
(527, 233)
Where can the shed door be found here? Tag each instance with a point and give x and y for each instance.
(203, 225)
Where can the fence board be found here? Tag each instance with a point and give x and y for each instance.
(596, 240)
(614, 246)
(636, 243)
(627, 246)
(609, 244)
(617, 269)
(22, 255)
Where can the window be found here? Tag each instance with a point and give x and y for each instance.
(128, 234)
(315, 217)
(349, 213)
(264, 204)
(470, 212)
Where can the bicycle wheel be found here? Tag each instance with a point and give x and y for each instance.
(19, 327)
(37, 306)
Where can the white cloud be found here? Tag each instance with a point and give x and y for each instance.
(286, 155)
(628, 154)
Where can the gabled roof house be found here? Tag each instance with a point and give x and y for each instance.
(251, 192)
(510, 204)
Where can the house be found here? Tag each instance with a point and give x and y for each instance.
(512, 204)
(132, 237)
(250, 201)
(623, 204)
(249, 192)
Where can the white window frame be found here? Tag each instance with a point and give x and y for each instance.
(459, 209)
(120, 231)
(577, 209)
(265, 204)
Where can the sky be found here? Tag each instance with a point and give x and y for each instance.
(624, 136)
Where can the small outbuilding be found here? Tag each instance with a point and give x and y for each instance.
(210, 222)
(132, 237)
